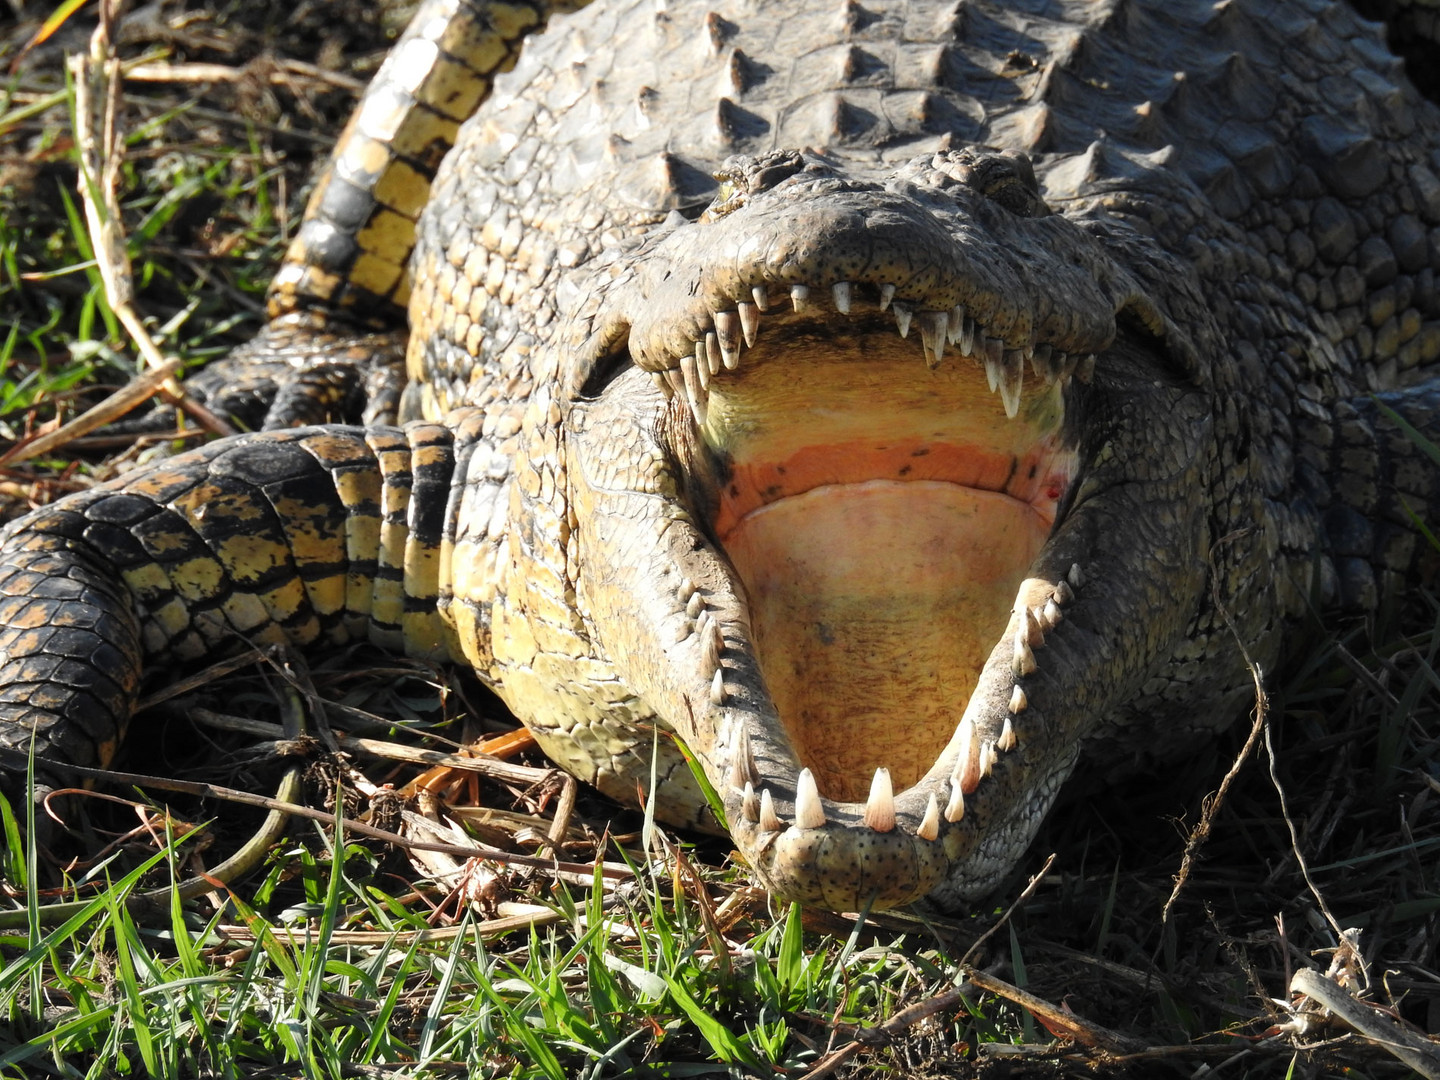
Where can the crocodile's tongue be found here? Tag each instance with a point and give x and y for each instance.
(880, 516)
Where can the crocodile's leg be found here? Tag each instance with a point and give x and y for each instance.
(332, 351)
(318, 535)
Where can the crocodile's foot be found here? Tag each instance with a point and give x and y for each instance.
(858, 610)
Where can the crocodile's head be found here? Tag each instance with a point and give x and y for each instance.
(882, 492)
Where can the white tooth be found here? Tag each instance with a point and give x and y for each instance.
(1007, 736)
(749, 804)
(717, 687)
(676, 378)
(966, 772)
(749, 322)
(742, 765)
(1039, 613)
(955, 324)
(1018, 701)
(994, 348)
(1063, 593)
(842, 292)
(702, 364)
(932, 336)
(687, 590)
(987, 758)
(694, 391)
(1085, 369)
(1012, 381)
(727, 330)
(1076, 575)
(967, 337)
(695, 605)
(955, 808)
(682, 630)
(930, 825)
(715, 359)
(661, 383)
(1034, 635)
(809, 812)
(887, 293)
(1052, 614)
(799, 295)
(712, 644)
(1028, 353)
(993, 373)
(1064, 363)
(902, 319)
(769, 820)
(880, 806)
(762, 298)
(1024, 661)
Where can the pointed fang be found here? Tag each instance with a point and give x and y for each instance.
(749, 322)
(930, 825)
(1024, 660)
(1018, 701)
(749, 804)
(987, 758)
(887, 293)
(1012, 381)
(717, 687)
(694, 392)
(933, 327)
(955, 808)
(1007, 738)
(1034, 633)
(880, 806)
(1063, 593)
(967, 772)
(1051, 614)
(809, 812)
(715, 359)
(902, 319)
(743, 772)
(842, 291)
(1076, 576)
(799, 296)
(769, 820)
(761, 297)
(727, 330)
(662, 384)
(695, 605)
(955, 324)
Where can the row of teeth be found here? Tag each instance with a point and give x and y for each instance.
(971, 765)
(720, 349)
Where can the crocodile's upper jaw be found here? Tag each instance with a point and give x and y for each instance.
(846, 587)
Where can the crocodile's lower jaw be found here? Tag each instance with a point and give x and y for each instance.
(880, 516)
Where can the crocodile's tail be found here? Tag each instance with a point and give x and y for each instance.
(314, 535)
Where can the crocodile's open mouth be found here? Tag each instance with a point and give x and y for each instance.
(858, 518)
(880, 513)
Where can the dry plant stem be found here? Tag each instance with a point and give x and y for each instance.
(112, 408)
(1419, 1053)
(1025, 894)
(584, 871)
(1340, 935)
(99, 171)
(284, 73)
(489, 928)
(1053, 1017)
(1211, 806)
(486, 766)
(564, 810)
(204, 678)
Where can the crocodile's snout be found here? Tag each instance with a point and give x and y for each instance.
(861, 569)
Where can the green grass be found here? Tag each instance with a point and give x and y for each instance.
(361, 964)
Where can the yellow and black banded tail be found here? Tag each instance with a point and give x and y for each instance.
(352, 251)
(302, 537)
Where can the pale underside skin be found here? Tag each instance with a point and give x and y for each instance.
(881, 516)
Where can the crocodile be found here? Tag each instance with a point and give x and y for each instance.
(905, 408)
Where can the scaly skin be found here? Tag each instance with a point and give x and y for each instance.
(699, 482)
